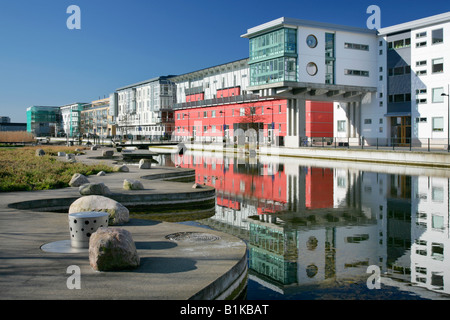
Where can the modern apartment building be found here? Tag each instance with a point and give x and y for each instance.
(44, 121)
(413, 85)
(213, 105)
(301, 60)
(144, 109)
(71, 118)
(97, 121)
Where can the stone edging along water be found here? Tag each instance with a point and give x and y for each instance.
(413, 158)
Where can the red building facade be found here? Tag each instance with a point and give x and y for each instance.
(214, 123)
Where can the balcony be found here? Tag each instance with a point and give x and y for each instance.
(216, 101)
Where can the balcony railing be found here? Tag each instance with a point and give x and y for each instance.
(216, 101)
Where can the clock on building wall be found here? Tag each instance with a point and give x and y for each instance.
(311, 68)
(311, 41)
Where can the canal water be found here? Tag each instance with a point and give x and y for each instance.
(319, 229)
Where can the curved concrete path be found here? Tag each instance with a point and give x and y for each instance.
(176, 270)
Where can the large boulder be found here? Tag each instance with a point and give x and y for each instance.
(78, 179)
(118, 214)
(130, 184)
(121, 168)
(108, 153)
(112, 249)
(145, 163)
(94, 189)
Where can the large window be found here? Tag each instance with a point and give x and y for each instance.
(273, 57)
(438, 65)
(437, 95)
(341, 125)
(438, 124)
(330, 58)
(276, 43)
(274, 70)
(437, 36)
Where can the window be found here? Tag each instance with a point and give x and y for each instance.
(356, 72)
(367, 121)
(437, 36)
(399, 71)
(438, 124)
(421, 91)
(421, 120)
(242, 111)
(213, 113)
(421, 63)
(437, 97)
(399, 98)
(421, 72)
(437, 222)
(421, 35)
(421, 44)
(356, 46)
(341, 124)
(205, 114)
(421, 101)
(438, 65)
(437, 251)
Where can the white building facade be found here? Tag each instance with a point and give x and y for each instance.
(71, 118)
(144, 109)
(411, 105)
(306, 60)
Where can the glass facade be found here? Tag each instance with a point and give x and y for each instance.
(329, 58)
(273, 70)
(273, 57)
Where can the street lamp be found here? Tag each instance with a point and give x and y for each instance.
(448, 116)
(189, 132)
(223, 127)
(272, 125)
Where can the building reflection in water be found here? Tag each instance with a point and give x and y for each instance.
(307, 224)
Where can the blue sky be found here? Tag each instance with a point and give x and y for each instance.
(42, 62)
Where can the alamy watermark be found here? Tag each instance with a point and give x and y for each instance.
(74, 280)
(74, 20)
(374, 280)
(374, 21)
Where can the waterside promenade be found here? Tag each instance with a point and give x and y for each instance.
(383, 155)
(34, 268)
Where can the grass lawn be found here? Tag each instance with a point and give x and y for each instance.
(22, 170)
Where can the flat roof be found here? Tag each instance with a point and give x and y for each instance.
(292, 22)
(146, 81)
(415, 24)
(189, 74)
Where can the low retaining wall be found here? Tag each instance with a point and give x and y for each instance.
(416, 158)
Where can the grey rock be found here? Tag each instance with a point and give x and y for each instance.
(129, 184)
(108, 153)
(61, 154)
(70, 156)
(40, 152)
(121, 168)
(112, 249)
(118, 213)
(101, 173)
(145, 164)
(197, 186)
(77, 180)
(94, 189)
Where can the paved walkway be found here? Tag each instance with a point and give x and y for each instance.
(177, 270)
